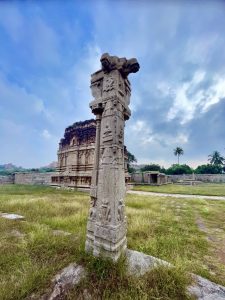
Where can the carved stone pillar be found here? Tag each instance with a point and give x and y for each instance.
(106, 228)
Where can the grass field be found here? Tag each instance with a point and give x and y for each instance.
(209, 189)
(188, 233)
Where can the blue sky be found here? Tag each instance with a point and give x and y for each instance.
(48, 49)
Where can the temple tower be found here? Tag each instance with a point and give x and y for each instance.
(106, 228)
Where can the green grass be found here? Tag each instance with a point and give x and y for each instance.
(162, 227)
(209, 189)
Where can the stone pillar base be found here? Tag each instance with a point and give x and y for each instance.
(107, 241)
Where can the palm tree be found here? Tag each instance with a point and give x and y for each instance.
(216, 159)
(177, 152)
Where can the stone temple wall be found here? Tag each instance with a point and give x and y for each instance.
(140, 178)
(213, 178)
(8, 179)
(150, 177)
(76, 156)
(34, 178)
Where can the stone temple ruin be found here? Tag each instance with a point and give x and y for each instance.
(150, 178)
(106, 228)
(76, 156)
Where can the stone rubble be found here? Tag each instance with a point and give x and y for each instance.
(138, 264)
(203, 289)
(64, 281)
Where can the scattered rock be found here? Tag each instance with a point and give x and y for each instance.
(139, 263)
(203, 289)
(12, 216)
(65, 280)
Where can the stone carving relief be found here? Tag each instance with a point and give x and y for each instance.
(107, 155)
(107, 132)
(92, 213)
(108, 84)
(123, 65)
(121, 207)
(104, 214)
(96, 89)
(107, 232)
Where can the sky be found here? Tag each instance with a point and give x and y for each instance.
(48, 50)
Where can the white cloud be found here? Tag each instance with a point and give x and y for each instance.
(40, 108)
(215, 93)
(189, 99)
(46, 134)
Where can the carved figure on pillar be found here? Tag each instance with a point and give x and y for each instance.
(106, 228)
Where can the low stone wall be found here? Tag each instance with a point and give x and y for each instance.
(137, 177)
(214, 178)
(8, 179)
(147, 178)
(34, 178)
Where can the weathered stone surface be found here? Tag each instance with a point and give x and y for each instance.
(11, 216)
(139, 263)
(204, 289)
(65, 280)
(106, 228)
(33, 178)
(150, 177)
(7, 179)
(215, 178)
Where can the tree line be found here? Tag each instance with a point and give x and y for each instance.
(215, 165)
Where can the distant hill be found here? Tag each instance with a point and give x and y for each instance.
(52, 165)
(9, 168)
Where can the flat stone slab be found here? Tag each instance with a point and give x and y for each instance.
(139, 263)
(11, 216)
(203, 289)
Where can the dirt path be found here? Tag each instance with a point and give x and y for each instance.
(176, 195)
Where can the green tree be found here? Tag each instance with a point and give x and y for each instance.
(179, 170)
(130, 159)
(178, 152)
(151, 167)
(209, 169)
(216, 159)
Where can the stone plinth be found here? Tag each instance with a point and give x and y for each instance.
(106, 228)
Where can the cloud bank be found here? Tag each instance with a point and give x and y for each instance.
(48, 52)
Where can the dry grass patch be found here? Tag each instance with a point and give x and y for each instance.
(167, 228)
(31, 254)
